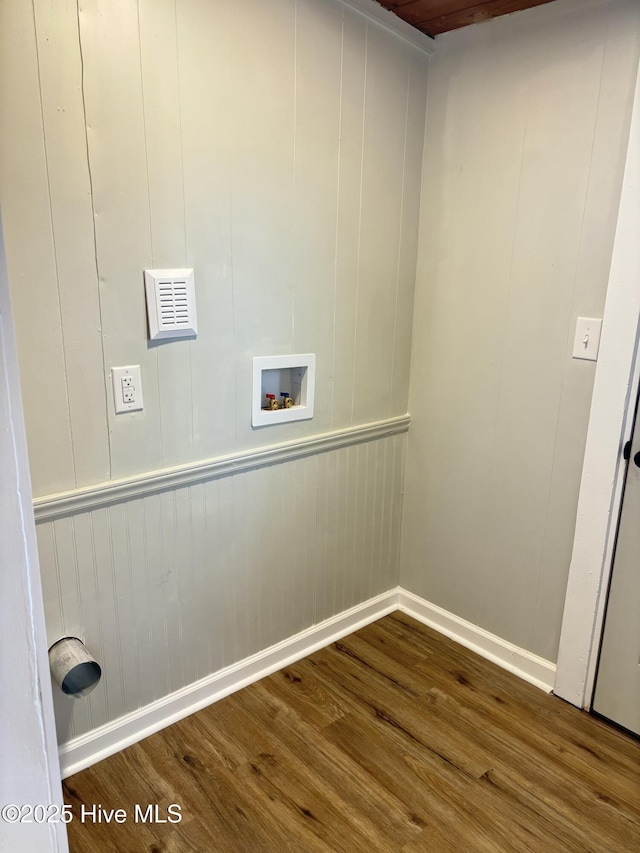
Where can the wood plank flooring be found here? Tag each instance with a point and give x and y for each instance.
(393, 739)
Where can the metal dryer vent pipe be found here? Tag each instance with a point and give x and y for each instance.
(73, 668)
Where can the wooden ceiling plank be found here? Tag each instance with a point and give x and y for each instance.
(395, 4)
(476, 14)
(417, 11)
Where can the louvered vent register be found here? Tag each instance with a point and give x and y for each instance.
(171, 303)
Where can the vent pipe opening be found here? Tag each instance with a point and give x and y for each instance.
(73, 668)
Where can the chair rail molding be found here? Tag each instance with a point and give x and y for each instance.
(54, 506)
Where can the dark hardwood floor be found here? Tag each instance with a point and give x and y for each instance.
(393, 739)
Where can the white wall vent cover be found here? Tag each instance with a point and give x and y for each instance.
(171, 304)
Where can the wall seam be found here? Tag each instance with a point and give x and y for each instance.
(184, 211)
(55, 247)
(95, 235)
(156, 350)
(364, 116)
(401, 226)
(337, 241)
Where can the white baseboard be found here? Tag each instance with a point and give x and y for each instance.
(529, 667)
(83, 751)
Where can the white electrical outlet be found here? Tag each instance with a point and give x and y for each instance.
(127, 388)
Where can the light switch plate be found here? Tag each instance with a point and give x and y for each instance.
(587, 340)
(127, 388)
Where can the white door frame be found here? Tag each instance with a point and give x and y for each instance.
(30, 768)
(610, 424)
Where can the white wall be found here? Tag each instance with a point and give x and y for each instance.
(273, 145)
(527, 126)
(276, 147)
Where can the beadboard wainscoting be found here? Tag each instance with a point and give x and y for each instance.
(174, 583)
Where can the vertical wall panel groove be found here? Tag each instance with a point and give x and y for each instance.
(206, 132)
(120, 181)
(317, 117)
(352, 86)
(164, 157)
(26, 216)
(138, 580)
(382, 182)
(60, 67)
(93, 594)
(408, 248)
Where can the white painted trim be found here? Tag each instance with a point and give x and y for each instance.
(111, 738)
(529, 667)
(29, 747)
(379, 15)
(610, 424)
(92, 497)
(83, 751)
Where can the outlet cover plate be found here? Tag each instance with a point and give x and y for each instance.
(127, 388)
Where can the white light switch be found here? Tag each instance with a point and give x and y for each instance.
(587, 338)
(127, 388)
